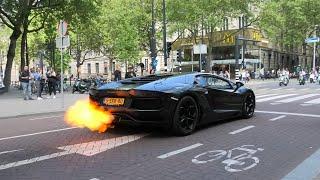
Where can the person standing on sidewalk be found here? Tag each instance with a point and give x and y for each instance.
(52, 80)
(25, 82)
(38, 78)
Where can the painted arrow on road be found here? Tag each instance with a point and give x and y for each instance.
(87, 149)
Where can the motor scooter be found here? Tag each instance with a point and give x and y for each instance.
(302, 79)
(283, 80)
(312, 78)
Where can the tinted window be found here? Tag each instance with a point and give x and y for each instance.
(218, 83)
(213, 82)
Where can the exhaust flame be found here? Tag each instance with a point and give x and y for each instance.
(88, 114)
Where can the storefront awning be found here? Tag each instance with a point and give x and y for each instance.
(233, 61)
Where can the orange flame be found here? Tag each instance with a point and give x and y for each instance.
(88, 114)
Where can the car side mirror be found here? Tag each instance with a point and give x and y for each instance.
(239, 84)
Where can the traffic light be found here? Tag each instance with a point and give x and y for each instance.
(169, 47)
(179, 55)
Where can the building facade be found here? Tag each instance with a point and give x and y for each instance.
(259, 52)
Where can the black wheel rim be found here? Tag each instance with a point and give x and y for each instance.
(188, 114)
(249, 105)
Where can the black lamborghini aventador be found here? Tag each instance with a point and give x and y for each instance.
(179, 102)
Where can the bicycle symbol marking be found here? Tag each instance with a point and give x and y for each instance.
(234, 161)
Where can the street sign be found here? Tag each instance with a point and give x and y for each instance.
(64, 44)
(312, 40)
(62, 28)
(200, 49)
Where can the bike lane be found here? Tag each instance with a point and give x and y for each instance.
(270, 150)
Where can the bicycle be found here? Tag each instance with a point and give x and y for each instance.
(241, 162)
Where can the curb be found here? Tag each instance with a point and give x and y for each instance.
(31, 114)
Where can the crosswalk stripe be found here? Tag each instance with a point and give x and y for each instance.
(297, 98)
(263, 89)
(274, 97)
(304, 89)
(276, 89)
(265, 95)
(315, 101)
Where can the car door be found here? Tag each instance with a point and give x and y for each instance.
(222, 96)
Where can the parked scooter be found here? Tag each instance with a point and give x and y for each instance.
(283, 80)
(81, 86)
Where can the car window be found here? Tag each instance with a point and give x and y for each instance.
(218, 83)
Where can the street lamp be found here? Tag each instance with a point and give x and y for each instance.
(314, 49)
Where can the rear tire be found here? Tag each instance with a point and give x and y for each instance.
(249, 105)
(185, 117)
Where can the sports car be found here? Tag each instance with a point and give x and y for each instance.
(180, 102)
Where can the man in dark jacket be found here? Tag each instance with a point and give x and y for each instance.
(25, 82)
(117, 75)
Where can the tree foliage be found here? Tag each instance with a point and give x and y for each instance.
(290, 22)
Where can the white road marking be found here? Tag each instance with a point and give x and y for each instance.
(82, 147)
(241, 130)
(315, 101)
(46, 117)
(304, 89)
(297, 98)
(5, 152)
(179, 151)
(274, 97)
(288, 113)
(276, 89)
(290, 89)
(32, 134)
(277, 118)
(275, 103)
(306, 104)
(265, 95)
(94, 179)
(96, 147)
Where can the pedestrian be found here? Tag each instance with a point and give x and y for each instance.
(32, 81)
(52, 81)
(227, 74)
(130, 73)
(38, 82)
(261, 73)
(25, 82)
(117, 75)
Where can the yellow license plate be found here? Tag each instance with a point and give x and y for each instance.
(114, 101)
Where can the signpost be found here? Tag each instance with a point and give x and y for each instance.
(200, 49)
(62, 41)
(313, 40)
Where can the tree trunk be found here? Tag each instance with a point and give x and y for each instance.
(209, 58)
(23, 51)
(10, 56)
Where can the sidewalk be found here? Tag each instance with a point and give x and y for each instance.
(12, 104)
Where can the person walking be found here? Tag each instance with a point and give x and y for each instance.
(25, 82)
(52, 81)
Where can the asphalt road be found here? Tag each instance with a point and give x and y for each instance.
(277, 143)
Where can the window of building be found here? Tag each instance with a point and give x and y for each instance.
(97, 68)
(146, 64)
(89, 68)
(105, 67)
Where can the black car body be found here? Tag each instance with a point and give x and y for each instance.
(180, 102)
